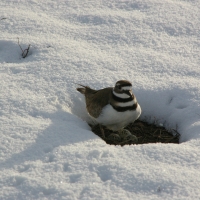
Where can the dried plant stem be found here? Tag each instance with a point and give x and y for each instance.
(25, 51)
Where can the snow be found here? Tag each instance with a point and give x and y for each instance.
(47, 150)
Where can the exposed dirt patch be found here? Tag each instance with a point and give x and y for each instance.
(145, 133)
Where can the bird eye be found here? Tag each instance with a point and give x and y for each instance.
(119, 87)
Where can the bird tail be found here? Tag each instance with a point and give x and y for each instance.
(81, 90)
(85, 89)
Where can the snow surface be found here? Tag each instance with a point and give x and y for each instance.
(47, 150)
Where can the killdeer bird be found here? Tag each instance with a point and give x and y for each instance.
(112, 107)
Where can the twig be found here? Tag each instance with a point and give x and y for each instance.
(3, 18)
(25, 51)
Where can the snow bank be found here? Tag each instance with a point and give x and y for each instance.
(47, 149)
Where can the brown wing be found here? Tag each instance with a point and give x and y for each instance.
(95, 99)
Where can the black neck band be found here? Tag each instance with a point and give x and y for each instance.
(123, 109)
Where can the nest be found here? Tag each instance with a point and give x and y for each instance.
(144, 132)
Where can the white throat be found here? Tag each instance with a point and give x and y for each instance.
(123, 95)
(126, 87)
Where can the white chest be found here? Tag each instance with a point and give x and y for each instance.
(115, 120)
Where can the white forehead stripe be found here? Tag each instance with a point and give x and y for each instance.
(126, 87)
(121, 95)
